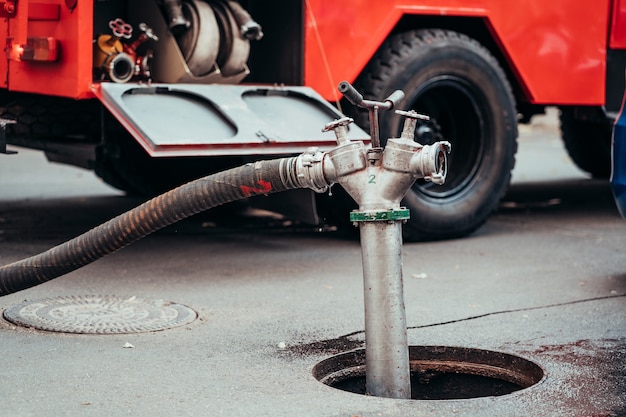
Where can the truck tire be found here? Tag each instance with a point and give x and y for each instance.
(44, 117)
(458, 83)
(587, 140)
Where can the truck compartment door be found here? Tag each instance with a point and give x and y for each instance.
(216, 120)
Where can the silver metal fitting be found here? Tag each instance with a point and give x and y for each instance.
(410, 123)
(374, 155)
(431, 162)
(307, 171)
(340, 128)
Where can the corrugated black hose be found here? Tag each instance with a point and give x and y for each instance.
(263, 177)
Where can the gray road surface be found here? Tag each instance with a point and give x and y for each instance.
(544, 279)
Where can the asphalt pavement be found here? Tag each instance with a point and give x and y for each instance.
(543, 280)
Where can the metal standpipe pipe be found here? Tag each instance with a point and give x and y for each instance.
(386, 348)
(378, 179)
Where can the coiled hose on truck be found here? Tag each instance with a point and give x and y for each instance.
(263, 177)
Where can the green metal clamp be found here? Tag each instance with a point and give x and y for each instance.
(392, 215)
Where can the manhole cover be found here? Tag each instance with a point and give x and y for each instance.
(439, 372)
(99, 314)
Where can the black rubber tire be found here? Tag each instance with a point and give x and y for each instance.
(461, 86)
(587, 141)
(47, 117)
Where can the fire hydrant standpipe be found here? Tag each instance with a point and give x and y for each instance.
(376, 178)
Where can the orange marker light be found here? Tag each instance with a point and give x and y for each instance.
(41, 49)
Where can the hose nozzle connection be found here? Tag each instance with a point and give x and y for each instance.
(431, 162)
(305, 171)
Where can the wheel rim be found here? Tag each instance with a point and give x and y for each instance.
(461, 116)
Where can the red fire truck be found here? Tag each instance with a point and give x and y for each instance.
(152, 93)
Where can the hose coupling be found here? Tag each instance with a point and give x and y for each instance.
(120, 67)
(305, 171)
(431, 162)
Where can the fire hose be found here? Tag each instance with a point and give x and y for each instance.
(264, 177)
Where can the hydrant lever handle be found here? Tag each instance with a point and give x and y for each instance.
(350, 93)
(356, 98)
(394, 98)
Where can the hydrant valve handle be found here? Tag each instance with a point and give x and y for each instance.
(410, 122)
(121, 29)
(412, 114)
(344, 121)
(148, 31)
(340, 129)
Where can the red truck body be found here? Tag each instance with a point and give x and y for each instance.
(477, 66)
(557, 50)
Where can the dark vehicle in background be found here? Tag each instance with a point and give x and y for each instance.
(618, 160)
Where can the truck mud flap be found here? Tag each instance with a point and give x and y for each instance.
(218, 120)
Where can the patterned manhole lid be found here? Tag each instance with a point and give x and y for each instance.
(99, 314)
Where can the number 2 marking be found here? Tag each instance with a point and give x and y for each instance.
(372, 179)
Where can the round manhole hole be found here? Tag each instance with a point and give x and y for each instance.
(440, 372)
(99, 314)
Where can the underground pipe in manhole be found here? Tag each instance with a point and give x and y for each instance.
(440, 372)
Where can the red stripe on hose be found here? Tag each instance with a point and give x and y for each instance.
(264, 188)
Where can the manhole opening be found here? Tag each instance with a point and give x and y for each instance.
(440, 372)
